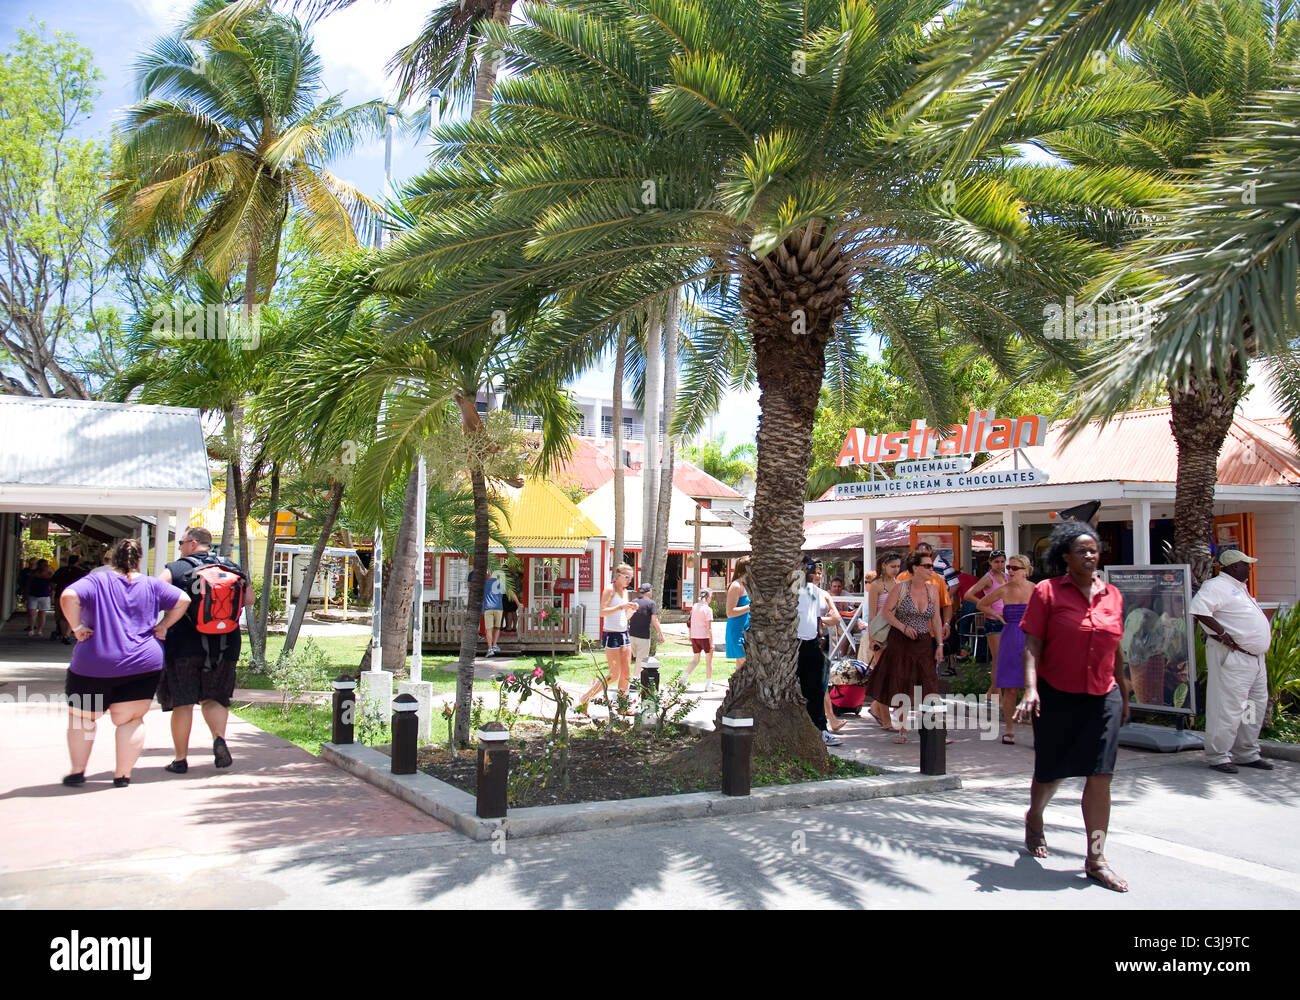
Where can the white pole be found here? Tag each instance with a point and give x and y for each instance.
(377, 555)
(417, 642)
(160, 542)
(1141, 514)
(868, 550)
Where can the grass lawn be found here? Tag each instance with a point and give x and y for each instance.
(344, 653)
(308, 725)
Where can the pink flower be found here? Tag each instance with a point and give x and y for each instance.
(541, 615)
(511, 679)
(537, 671)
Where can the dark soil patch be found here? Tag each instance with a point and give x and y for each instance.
(604, 767)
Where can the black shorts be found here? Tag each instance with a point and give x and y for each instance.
(185, 681)
(95, 694)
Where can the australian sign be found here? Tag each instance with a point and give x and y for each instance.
(928, 457)
(982, 432)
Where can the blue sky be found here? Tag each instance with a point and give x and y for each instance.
(354, 47)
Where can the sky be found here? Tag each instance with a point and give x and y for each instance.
(354, 46)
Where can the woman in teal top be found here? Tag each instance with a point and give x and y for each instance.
(738, 613)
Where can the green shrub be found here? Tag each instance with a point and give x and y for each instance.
(295, 674)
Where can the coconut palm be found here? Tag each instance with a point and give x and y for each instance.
(1221, 260)
(760, 155)
(231, 134)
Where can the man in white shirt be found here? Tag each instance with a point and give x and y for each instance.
(815, 609)
(1237, 637)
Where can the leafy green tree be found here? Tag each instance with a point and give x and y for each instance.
(727, 465)
(883, 398)
(51, 263)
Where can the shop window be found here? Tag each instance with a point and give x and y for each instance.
(457, 581)
(544, 574)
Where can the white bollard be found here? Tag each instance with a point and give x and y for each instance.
(422, 692)
(376, 687)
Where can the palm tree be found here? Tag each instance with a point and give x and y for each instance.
(727, 465)
(229, 137)
(1221, 259)
(764, 156)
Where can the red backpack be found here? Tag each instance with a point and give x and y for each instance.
(217, 594)
(217, 588)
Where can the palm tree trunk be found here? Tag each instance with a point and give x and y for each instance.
(664, 505)
(1200, 414)
(399, 583)
(650, 454)
(313, 565)
(790, 311)
(488, 66)
(620, 502)
(262, 610)
(473, 427)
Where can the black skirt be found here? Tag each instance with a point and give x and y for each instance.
(1076, 735)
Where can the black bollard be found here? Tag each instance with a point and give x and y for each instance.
(650, 676)
(493, 771)
(933, 721)
(737, 749)
(345, 709)
(406, 727)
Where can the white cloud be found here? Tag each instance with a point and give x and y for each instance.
(355, 45)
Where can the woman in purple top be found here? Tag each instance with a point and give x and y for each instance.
(118, 657)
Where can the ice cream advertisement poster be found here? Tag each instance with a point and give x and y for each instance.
(1158, 643)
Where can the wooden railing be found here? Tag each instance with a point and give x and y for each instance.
(537, 630)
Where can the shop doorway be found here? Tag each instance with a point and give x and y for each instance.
(672, 581)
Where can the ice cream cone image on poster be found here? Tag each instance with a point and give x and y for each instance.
(1149, 680)
(1143, 647)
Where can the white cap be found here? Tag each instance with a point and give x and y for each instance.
(1229, 556)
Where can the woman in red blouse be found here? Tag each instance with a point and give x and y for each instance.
(1075, 690)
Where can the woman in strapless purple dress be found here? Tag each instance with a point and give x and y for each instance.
(1009, 670)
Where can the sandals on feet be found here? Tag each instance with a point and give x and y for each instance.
(1008, 739)
(1035, 842)
(1104, 875)
(899, 737)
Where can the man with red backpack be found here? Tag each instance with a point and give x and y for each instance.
(202, 649)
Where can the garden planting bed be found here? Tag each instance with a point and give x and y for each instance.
(605, 767)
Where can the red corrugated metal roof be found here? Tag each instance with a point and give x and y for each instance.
(1139, 446)
(591, 467)
(588, 467)
(687, 477)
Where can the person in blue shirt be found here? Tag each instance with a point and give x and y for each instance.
(493, 592)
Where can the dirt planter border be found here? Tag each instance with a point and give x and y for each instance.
(455, 807)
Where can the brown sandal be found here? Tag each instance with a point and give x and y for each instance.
(1035, 841)
(1104, 875)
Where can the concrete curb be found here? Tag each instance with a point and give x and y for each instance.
(1282, 751)
(456, 808)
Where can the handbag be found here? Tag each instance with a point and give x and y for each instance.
(879, 629)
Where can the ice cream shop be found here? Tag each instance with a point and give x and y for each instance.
(1011, 500)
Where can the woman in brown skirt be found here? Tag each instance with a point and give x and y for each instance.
(911, 656)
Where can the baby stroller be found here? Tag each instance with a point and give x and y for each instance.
(847, 686)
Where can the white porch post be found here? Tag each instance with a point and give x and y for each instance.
(144, 543)
(160, 542)
(868, 548)
(418, 688)
(1010, 531)
(183, 522)
(1141, 513)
